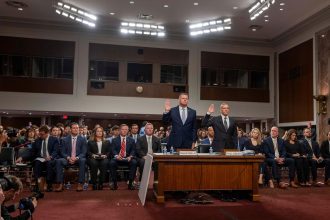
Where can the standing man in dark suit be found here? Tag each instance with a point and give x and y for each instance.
(44, 153)
(225, 128)
(325, 155)
(275, 154)
(73, 151)
(183, 120)
(147, 144)
(123, 149)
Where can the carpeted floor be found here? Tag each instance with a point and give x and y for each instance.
(302, 203)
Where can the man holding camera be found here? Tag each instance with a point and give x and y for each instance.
(11, 186)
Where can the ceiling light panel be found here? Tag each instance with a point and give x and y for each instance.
(75, 13)
(208, 27)
(142, 29)
(259, 7)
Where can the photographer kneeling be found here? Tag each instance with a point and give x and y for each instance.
(12, 186)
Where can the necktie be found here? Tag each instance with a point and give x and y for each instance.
(277, 154)
(311, 146)
(122, 148)
(226, 123)
(183, 116)
(149, 145)
(73, 151)
(44, 150)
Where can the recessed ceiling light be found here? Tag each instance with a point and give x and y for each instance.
(282, 3)
(131, 2)
(323, 35)
(196, 3)
(266, 20)
(254, 29)
(20, 9)
(266, 16)
(165, 6)
(112, 13)
(187, 21)
(281, 9)
(235, 7)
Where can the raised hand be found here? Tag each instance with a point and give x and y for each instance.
(211, 108)
(167, 105)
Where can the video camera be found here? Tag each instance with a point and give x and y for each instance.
(7, 183)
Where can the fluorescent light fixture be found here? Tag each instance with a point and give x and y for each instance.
(142, 29)
(258, 8)
(74, 13)
(208, 27)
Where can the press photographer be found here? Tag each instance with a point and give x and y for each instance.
(11, 187)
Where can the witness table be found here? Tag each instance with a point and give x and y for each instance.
(206, 172)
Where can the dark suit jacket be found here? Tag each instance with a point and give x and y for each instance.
(93, 149)
(52, 147)
(325, 153)
(222, 138)
(81, 147)
(136, 138)
(268, 148)
(206, 141)
(307, 149)
(142, 146)
(182, 135)
(130, 146)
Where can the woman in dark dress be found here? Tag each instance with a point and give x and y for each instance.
(296, 151)
(98, 151)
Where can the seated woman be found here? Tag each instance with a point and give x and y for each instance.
(254, 143)
(98, 151)
(296, 151)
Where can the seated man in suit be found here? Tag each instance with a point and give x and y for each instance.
(312, 150)
(44, 153)
(134, 132)
(147, 144)
(123, 149)
(275, 154)
(73, 151)
(210, 136)
(325, 155)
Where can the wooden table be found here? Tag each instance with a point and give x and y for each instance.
(206, 172)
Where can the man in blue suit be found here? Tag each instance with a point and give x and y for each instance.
(44, 153)
(183, 120)
(225, 128)
(123, 149)
(275, 154)
(73, 151)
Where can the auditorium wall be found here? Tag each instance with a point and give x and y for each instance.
(79, 101)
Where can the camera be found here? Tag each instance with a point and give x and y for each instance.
(27, 204)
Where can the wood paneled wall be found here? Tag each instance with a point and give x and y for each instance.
(128, 89)
(137, 54)
(234, 61)
(234, 94)
(36, 47)
(296, 83)
(36, 85)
